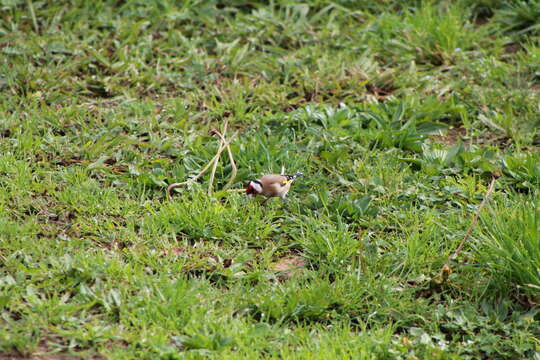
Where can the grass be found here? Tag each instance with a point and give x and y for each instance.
(399, 113)
(512, 242)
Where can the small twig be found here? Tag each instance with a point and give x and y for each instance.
(214, 168)
(203, 171)
(192, 180)
(218, 155)
(231, 159)
(475, 219)
(172, 186)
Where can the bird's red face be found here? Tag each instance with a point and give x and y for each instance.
(254, 188)
(250, 191)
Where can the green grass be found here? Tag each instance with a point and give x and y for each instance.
(512, 235)
(397, 112)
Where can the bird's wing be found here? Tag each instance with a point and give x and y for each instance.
(274, 179)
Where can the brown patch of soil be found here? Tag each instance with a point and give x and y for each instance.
(512, 48)
(481, 20)
(42, 353)
(289, 266)
(380, 92)
(452, 136)
(490, 138)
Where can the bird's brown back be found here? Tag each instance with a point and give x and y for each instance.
(274, 185)
(273, 178)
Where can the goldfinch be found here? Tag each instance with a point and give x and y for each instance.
(270, 186)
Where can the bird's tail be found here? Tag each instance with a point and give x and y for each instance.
(293, 176)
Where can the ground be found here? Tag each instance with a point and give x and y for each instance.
(414, 232)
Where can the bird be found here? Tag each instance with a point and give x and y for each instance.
(271, 185)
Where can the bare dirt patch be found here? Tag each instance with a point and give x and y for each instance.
(452, 136)
(289, 267)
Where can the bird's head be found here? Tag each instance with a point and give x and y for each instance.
(254, 188)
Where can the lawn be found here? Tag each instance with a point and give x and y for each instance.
(413, 234)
